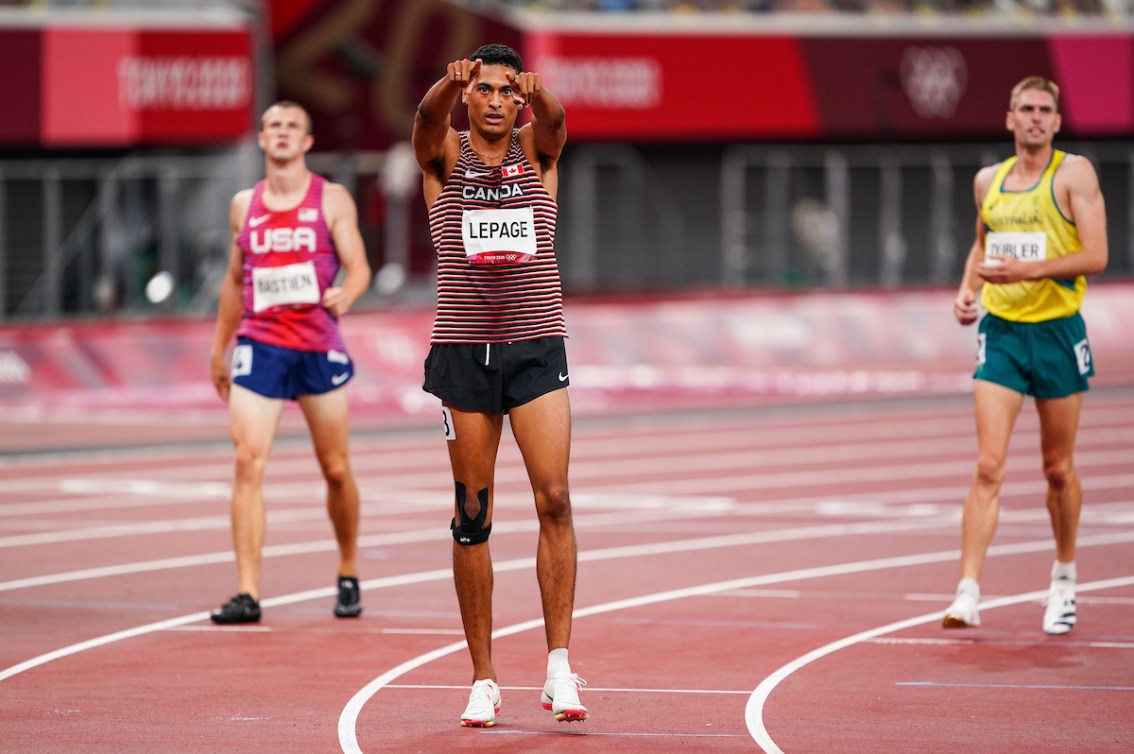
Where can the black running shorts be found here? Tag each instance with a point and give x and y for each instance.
(493, 378)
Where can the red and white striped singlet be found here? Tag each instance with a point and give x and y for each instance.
(501, 301)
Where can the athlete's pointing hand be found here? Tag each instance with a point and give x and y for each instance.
(526, 87)
(463, 72)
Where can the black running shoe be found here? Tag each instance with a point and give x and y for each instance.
(240, 609)
(350, 600)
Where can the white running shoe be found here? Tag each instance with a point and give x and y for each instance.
(1059, 615)
(561, 696)
(484, 703)
(962, 613)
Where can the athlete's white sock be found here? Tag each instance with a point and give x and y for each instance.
(1064, 571)
(969, 586)
(557, 664)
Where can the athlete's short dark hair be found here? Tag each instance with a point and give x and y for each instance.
(498, 54)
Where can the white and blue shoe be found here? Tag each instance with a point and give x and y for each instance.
(1059, 615)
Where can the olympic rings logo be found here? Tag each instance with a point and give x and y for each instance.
(934, 79)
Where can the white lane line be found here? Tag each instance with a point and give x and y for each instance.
(1096, 515)
(348, 720)
(307, 548)
(423, 499)
(1023, 686)
(754, 710)
(185, 482)
(705, 543)
(590, 689)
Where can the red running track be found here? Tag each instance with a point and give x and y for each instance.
(750, 579)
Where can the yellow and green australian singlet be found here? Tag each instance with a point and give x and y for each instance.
(1029, 226)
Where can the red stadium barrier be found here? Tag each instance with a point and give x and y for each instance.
(641, 353)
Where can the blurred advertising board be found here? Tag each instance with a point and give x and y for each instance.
(113, 86)
(655, 85)
(361, 67)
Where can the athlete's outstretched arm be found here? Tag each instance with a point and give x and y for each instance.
(434, 140)
(549, 119)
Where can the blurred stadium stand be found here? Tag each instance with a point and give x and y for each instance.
(1015, 7)
(84, 226)
(948, 7)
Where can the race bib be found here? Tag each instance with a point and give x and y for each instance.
(499, 236)
(286, 284)
(241, 360)
(1027, 247)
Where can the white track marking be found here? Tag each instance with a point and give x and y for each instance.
(754, 710)
(348, 720)
(523, 563)
(322, 545)
(1097, 515)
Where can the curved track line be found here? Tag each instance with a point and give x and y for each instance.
(348, 738)
(754, 710)
(348, 719)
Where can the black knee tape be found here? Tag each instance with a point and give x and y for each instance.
(471, 531)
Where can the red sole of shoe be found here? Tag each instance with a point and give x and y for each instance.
(571, 716)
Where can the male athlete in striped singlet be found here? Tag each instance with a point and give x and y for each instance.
(292, 233)
(1041, 229)
(498, 341)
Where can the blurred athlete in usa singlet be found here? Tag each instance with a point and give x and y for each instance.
(1040, 230)
(289, 260)
(292, 234)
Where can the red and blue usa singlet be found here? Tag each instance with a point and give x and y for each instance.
(289, 260)
(494, 230)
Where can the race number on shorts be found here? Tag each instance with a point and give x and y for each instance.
(1083, 356)
(242, 360)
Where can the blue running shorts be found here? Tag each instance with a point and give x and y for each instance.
(285, 373)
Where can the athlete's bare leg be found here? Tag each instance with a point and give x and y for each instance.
(996, 409)
(542, 429)
(253, 420)
(1059, 423)
(328, 419)
(473, 445)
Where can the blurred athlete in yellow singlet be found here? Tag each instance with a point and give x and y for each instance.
(1040, 230)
